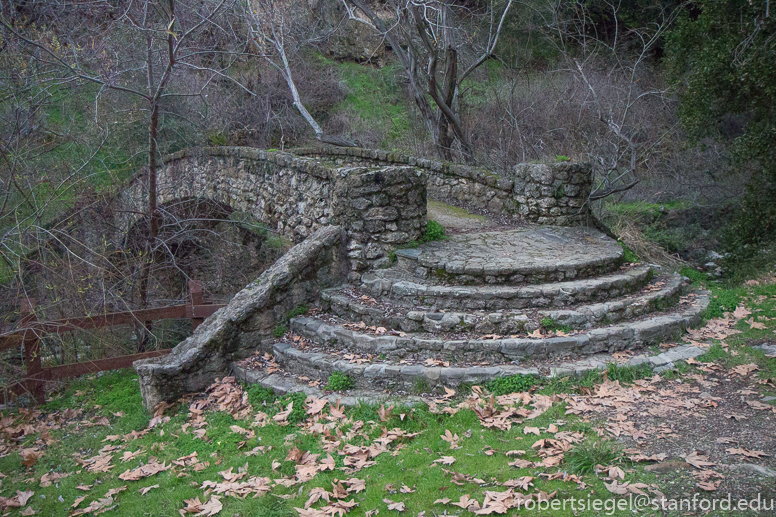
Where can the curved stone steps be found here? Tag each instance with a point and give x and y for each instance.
(630, 335)
(507, 322)
(389, 284)
(515, 257)
(414, 377)
(284, 382)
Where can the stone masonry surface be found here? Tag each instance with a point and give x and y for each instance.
(544, 193)
(378, 207)
(247, 323)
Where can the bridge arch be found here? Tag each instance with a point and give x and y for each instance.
(379, 206)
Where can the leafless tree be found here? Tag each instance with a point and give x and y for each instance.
(156, 52)
(439, 43)
(619, 77)
(275, 31)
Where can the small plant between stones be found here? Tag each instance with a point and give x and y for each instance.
(434, 232)
(339, 381)
(299, 311)
(550, 325)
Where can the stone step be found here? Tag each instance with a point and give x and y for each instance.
(398, 378)
(500, 350)
(283, 382)
(392, 285)
(514, 257)
(661, 292)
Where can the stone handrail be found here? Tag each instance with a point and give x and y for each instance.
(248, 321)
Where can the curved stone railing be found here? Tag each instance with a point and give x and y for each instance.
(378, 207)
(554, 193)
(249, 321)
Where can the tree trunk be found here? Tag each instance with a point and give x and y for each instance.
(153, 215)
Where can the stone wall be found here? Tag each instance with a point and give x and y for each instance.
(248, 322)
(380, 207)
(553, 193)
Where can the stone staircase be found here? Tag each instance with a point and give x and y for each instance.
(547, 301)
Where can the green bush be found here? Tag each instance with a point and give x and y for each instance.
(217, 139)
(299, 311)
(339, 381)
(280, 331)
(562, 158)
(627, 254)
(512, 384)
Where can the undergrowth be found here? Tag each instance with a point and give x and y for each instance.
(339, 381)
(512, 384)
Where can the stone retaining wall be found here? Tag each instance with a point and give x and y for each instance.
(379, 207)
(554, 194)
(248, 322)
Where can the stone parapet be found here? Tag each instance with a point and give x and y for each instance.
(544, 193)
(379, 207)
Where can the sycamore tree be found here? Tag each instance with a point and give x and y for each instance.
(723, 60)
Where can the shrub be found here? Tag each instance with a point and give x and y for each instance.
(627, 254)
(299, 311)
(434, 232)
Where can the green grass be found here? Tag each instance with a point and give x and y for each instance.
(644, 208)
(480, 450)
(480, 453)
(550, 325)
(584, 457)
(376, 98)
(627, 374)
(512, 384)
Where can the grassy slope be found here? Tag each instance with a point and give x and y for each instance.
(411, 466)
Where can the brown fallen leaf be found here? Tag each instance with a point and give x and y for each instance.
(145, 490)
(394, 505)
(746, 453)
(698, 459)
(149, 469)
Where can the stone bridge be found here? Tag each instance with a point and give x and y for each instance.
(378, 198)
(346, 209)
